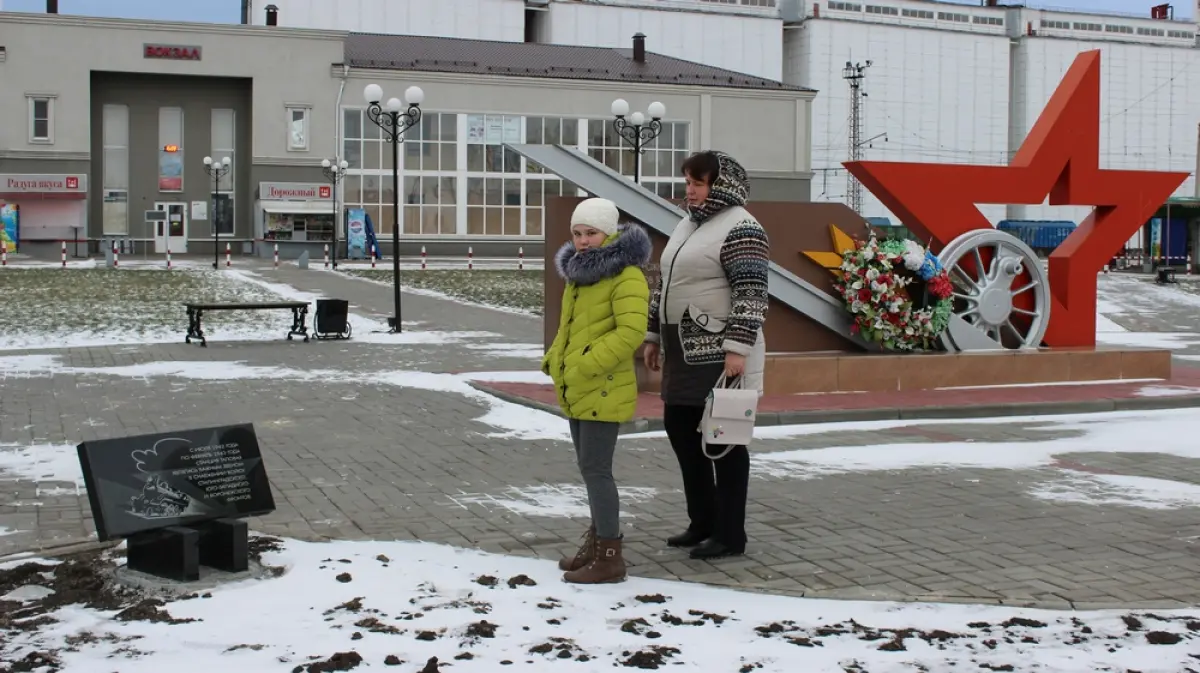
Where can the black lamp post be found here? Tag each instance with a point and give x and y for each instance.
(218, 170)
(636, 131)
(394, 123)
(334, 172)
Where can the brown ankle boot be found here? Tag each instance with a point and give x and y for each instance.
(607, 566)
(587, 552)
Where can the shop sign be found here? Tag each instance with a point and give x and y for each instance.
(43, 184)
(172, 52)
(293, 191)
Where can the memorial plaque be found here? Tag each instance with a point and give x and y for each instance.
(151, 482)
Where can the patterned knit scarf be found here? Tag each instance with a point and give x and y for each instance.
(731, 187)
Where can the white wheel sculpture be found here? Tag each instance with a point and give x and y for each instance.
(1001, 293)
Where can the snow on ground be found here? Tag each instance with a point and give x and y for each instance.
(379, 604)
(510, 419)
(1162, 316)
(555, 500)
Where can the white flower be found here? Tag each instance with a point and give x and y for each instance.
(856, 306)
(914, 255)
(872, 274)
(856, 285)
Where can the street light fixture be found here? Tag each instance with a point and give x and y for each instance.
(635, 131)
(393, 122)
(334, 172)
(218, 170)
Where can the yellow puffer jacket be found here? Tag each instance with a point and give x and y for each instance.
(604, 310)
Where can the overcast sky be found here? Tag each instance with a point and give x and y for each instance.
(229, 11)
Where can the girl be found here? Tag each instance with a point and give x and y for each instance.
(604, 311)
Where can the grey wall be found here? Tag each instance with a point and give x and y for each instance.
(144, 94)
(780, 189)
(46, 166)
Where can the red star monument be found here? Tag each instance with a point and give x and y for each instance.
(1060, 158)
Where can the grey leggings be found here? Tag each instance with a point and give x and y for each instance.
(595, 443)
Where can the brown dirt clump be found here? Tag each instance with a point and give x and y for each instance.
(482, 629)
(649, 658)
(149, 610)
(342, 661)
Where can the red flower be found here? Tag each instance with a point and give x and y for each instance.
(940, 286)
(864, 295)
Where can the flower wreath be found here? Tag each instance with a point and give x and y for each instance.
(880, 282)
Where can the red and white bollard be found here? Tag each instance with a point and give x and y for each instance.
(372, 255)
(470, 258)
(116, 257)
(326, 255)
(3, 254)
(520, 259)
(228, 259)
(422, 258)
(168, 259)
(276, 255)
(64, 254)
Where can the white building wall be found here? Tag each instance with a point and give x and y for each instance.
(1149, 107)
(940, 96)
(502, 20)
(747, 44)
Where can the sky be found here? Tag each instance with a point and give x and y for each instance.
(229, 11)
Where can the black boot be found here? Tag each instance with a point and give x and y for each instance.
(688, 538)
(715, 549)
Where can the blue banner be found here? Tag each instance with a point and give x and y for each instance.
(356, 233)
(10, 226)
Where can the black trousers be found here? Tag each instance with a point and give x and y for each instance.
(716, 490)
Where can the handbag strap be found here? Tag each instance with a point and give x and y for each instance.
(722, 381)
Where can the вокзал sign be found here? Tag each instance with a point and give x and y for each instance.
(172, 52)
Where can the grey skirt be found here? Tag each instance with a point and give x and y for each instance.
(684, 384)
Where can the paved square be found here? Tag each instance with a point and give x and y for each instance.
(381, 441)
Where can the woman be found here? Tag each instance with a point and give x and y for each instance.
(603, 321)
(706, 317)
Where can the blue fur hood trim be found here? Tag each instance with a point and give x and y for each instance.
(631, 247)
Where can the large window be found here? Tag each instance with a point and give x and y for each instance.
(170, 149)
(430, 168)
(660, 161)
(41, 119)
(115, 179)
(224, 144)
(455, 168)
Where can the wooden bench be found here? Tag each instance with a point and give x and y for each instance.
(196, 310)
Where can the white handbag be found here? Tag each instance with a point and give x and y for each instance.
(729, 415)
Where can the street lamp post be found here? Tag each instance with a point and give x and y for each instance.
(394, 122)
(334, 172)
(635, 131)
(218, 170)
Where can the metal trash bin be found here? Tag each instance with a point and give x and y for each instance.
(332, 319)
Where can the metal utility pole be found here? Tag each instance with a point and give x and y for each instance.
(854, 73)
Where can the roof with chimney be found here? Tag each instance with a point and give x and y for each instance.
(523, 59)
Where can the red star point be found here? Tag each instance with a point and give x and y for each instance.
(1060, 158)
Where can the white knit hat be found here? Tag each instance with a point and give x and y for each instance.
(600, 214)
